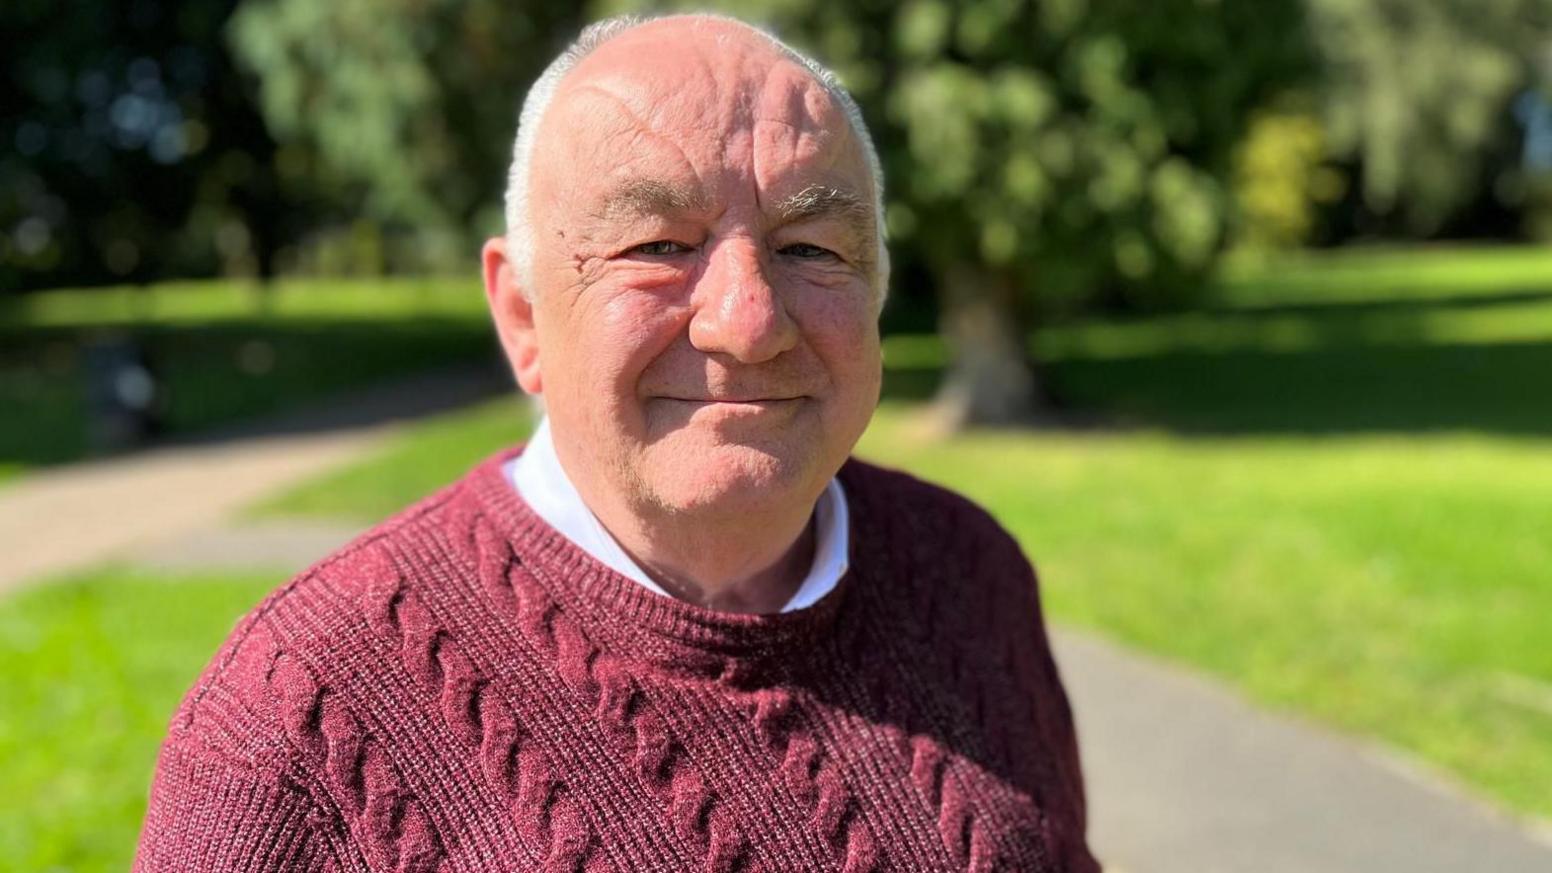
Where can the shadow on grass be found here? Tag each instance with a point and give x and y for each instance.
(1383, 306)
(1358, 367)
(1502, 388)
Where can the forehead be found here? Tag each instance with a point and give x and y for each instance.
(710, 104)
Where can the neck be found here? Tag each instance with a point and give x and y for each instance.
(733, 567)
(750, 562)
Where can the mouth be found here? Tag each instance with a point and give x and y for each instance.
(736, 405)
(739, 400)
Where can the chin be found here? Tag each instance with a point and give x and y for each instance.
(733, 477)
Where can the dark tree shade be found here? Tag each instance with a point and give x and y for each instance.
(131, 148)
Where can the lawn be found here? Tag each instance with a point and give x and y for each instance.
(1394, 586)
(91, 668)
(430, 454)
(222, 351)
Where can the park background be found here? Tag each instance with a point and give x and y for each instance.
(1238, 315)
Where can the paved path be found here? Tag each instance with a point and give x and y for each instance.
(281, 545)
(1185, 777)
(64, 518)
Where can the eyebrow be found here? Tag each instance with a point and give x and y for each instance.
(822, 200)
(637, 197)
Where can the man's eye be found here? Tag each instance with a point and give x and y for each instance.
(805, 250)
(660, 247)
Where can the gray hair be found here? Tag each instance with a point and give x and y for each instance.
(520, 235)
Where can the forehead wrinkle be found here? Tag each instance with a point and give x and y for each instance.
(643, 195)
(796, 123)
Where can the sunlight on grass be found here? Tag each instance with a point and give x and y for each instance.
(1382, 584)
(171, 303)
(91, 669)
(427, 456)
(1360, 274)
(223, 351)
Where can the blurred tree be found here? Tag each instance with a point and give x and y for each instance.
(409, 104)
(1417, 95)
(1044, 157)
(128, 146)
(1282, 177)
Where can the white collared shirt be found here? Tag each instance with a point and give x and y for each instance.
(542, 482)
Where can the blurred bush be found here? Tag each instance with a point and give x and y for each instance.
(1282, 179)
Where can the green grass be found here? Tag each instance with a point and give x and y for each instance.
(224, 351)
(91, 669)
(204, 302)
(1366, 275)
(1394, 586)
(1329, 489)
(428, 455)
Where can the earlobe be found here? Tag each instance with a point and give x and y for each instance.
(513, 315)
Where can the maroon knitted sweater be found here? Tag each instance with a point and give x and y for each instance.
(463, 689)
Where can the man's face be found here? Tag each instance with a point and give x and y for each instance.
(704, 303)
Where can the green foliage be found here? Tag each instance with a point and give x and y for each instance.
(1418, 94)
(409, 103)
(1281, 179)
(91, 669)
(130, 150)
(1083, 147)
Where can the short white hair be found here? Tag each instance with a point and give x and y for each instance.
(520, 235)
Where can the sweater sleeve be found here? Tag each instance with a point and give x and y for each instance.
(1057, 722)
(209, 815)
(1017, 606)
(225, 795)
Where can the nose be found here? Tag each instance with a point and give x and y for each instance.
(738, 312)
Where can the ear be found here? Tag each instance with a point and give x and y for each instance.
(512, 312)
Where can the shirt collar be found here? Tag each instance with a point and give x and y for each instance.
(542, 482)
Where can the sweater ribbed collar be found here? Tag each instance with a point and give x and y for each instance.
(640, 622)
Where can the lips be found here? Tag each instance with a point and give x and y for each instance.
(736, 399)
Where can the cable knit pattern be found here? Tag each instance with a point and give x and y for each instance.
(462, 689)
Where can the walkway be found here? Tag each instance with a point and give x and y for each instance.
(1184, 777)
(56, 520)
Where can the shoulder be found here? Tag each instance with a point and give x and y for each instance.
(943, 553)
(916, 513)
(265, 679)
(324, 685)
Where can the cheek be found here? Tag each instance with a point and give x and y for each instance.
(610, 336)
(841, 328)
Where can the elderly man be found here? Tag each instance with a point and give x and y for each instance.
(679, 630)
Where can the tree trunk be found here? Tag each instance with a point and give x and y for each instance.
(991, 379)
